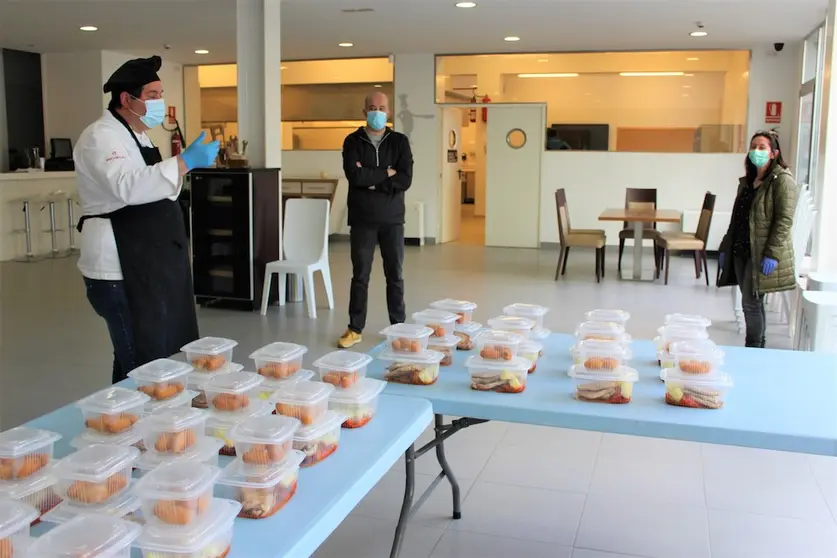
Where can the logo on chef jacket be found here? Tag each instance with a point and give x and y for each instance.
(114, 156)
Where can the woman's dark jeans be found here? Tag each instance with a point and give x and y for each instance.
(751, 303)
(109, 301)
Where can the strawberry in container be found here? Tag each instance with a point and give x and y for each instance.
(264, 491)
(210, 354)
(177, 493)
(463, 309)
(25, 451)
(95, 475)
(87, 536)
(342, 369)
(358, 403)
(212, 537)
(264, 441)
(161, 379)
(15, 518)
(114, 410)
(279, 361)
(319, 440)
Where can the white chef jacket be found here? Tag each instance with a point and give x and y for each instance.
(111, 175)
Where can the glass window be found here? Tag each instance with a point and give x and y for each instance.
(811, 56)
(803, 152)
(682, 102)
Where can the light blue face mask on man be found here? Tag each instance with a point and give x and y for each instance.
(376, 119)
(155, 112)
(759, 158)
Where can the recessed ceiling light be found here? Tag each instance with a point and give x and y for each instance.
(201, 51)
(698, 33)
(466, 4)
(283, 67)
(650, 74)
(687, 87)
(512, 39)
(693, 59)
(346, 45)
(689, 75)
(543, 60)
(564, 75)
(88, 28)
(378, 85)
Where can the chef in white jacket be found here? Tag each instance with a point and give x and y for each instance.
(134, 250)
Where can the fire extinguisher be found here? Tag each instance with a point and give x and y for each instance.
(176, 143)
(485, 100)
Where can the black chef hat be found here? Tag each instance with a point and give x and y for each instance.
(134, 74)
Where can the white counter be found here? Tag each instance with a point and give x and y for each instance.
(34, 186)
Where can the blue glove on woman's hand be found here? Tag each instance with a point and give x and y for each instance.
(200, 154)
(768, 266)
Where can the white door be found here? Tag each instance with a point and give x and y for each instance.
(514, 144)
(451, 184)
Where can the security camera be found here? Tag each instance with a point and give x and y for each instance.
(778, 47)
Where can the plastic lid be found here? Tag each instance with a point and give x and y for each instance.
(540, 333)
(93, 536)
(303, 392)
(209, 346)
(272, 429)
(410, 331)
(696, 348)
(301, 376)
(517, 364)
(182, 399)
(505, 323)
(716, 380)
(343, 361)
(489, 337)
(621, 374)
(525, 310)
(240, 474)
(22, 488)
(601, 347)
(113, 400)
(15, 516)
(447, 341)
(206, 448)
(173, 420)
(364, 391)
(682, 333)
(22, 440)
(434, 315)
(427, 357)
(234, 382)
(120, 506)
(181, 480)
(528, 347)
(452, 305)
(607, 315)
(689, 320)
(280, 352)
(91, 437)
(330, 421)
(627, 355)
(193, 540)
(599, 328)
(160, 370)
(471, 328)
(198, 378)
(225, 421)
(95, 463)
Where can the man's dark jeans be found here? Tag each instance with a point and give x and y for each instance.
(751, 303)
(109, 301)
(363, 241)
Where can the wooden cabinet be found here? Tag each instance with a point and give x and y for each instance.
(319, 188)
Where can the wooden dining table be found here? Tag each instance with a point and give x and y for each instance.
(638, 218)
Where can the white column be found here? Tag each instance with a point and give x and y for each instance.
(259, 62)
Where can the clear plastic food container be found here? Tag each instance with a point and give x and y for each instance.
(95, 474)
(674, 333)
(209, 353)
(462, 308)
(575, 351)
(407, 338)
(514, 324)
(177, 493)
(37, 491)
(219, 425)
(416, 369)
(87, 536)
(113, 410)
(503, 377)
(25, 451)
(125, 506)
(87, 438)
(614, 316)
(531, 351)
(320, 440)
(279, 360)
(304, 401)
(602, 331)
(263, 492)
(173, 431)
(342, 368)
(498, 345)
(466, 334)
(613, 386)
(211, 537)
(233, 393)
(206, 452)
(184, 399)
(359, 403)
(196, 380)
(15, 518)
(598, 356)
(441, 322)
(697, 392)
(269, 385)
(696, 357)
(688, 320)
(446, 346)
(264, 440)
(161, 379)
(530, 311)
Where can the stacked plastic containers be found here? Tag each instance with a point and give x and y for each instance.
(497, 366)
(110, 417)
(597, 327)
(532, 312)
(209, 357)
(674, 332)
(409, 361)
(279, 363)
(600, 358)
(97, 536)
(182, 517)
(233, 398)
(26, 456)
(263, 478)
(176, 435)
(164, 382)
(15, 518)
(443, 340)
(465, 328)
(696, 380)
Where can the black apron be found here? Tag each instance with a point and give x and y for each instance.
(153, 253)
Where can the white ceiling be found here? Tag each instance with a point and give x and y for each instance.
(312, 28)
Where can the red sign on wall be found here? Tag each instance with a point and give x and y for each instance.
(773, 112)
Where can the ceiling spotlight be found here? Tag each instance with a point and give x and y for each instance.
(88, 28)
(201, 51)
(512, 39)
(346, 45)
(543, 60)
(693, 59)
(698, 33)
(466, 4)
(283, 67)
(560, 75)
(378, 85)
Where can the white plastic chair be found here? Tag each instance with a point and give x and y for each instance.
(818, 322)
(305, 234)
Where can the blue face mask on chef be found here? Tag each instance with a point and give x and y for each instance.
(155, 112)
(376, 119)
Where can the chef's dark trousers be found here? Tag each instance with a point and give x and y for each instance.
(109, 301)
(364, 239)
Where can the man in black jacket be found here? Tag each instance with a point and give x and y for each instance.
(378, 163)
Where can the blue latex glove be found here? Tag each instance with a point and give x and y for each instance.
(768, 266)
(721, 256)
(200, 154)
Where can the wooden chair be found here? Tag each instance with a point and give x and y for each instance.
(696, 242)
(639, 198)
(576, 238)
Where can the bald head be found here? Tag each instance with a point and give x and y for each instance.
(376, 105)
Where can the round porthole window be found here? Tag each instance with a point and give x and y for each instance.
(516, 138)
(452, 139)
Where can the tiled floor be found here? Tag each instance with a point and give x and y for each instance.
(472, 228)
(527, 491)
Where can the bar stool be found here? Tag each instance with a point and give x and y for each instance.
(72, 201)
(49, 202)
(26, 206)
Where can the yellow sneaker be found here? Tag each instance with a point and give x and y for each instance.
(349, 339)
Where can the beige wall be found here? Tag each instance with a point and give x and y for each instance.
(356, 70)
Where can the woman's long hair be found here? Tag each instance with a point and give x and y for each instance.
(771, 136)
